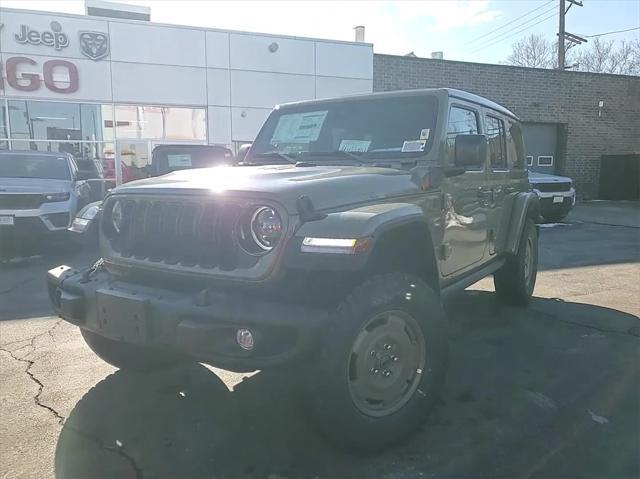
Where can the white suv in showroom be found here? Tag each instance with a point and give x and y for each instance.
(40, 193)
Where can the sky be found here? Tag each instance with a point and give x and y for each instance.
(467, 30)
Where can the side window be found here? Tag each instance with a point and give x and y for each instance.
(462, 121)
(497, 142)
(516, 159)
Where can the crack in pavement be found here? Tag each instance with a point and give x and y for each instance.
(61, 420)
(119, 450)
(32, 376)
(32, 339)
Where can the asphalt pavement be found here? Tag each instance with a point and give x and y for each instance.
(549, 391)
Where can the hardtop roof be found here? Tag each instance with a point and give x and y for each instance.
(451, 92)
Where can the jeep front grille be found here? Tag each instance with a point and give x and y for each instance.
(175, 232)
(552, 187)
(18, 201)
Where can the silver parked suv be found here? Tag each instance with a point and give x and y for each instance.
(40, 193)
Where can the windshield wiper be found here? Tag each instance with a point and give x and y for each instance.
(276, 154)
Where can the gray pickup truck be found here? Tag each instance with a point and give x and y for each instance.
(327, 251)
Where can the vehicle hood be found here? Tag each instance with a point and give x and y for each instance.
(535, 177)
(327, 186)
(33, 185)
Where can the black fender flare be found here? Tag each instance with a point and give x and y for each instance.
(525, 205)
(371, 221)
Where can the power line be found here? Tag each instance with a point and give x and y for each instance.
(510, 22)
(514, 34)
(502, 35)
(611, 33)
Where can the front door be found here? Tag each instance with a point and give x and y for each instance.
(467, 199)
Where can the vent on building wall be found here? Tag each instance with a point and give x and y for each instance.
(99, 8)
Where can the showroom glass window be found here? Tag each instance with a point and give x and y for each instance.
(160, 123)
(78, 129)
(4, 125)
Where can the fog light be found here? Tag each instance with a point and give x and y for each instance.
(244, 338)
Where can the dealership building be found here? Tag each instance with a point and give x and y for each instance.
(104, 87)
(111, 85)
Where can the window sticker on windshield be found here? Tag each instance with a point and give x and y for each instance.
(179, 160)
(358, 146)
(299, 127)
(424, 133)
(412, 146)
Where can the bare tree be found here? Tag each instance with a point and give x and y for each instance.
(603, 56)
(536, 51)
(533, 51)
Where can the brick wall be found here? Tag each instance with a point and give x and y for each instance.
(536, 95)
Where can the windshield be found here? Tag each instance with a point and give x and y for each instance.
(375, 128)
(23, 166)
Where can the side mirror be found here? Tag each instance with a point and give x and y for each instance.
(242, 152)
(471, 151)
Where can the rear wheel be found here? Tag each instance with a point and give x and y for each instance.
(382, 363)
(129, 357)
(516, 279)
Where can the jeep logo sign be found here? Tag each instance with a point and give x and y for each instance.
(54, 38)
(94, 45)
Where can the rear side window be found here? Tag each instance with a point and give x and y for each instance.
(462, 121)
(516, 147)
(497, 142)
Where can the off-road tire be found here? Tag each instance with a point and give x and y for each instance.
(514, 283)
(329, 380)
(129, 357)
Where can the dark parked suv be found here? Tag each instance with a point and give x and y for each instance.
(328, 250)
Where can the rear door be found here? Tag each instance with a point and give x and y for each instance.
(497, 174)
(466, 199)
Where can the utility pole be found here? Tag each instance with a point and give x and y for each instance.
(563, 35)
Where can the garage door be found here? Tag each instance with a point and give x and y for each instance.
(541, 141)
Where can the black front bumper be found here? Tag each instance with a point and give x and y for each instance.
(202, 325)
(548, 207)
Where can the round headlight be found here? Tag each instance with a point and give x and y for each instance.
(117, 216)
(266, 227)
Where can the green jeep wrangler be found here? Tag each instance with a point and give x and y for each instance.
(330, 248)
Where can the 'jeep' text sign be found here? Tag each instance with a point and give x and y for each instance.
(54, 38)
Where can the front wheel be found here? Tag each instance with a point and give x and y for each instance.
(129, 357)
(516, 279)
(382, 363)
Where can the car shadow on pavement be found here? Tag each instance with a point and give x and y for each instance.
(546, 391)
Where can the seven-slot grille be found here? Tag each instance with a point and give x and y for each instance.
(176, 232)
(19, 201)
(552, 187)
